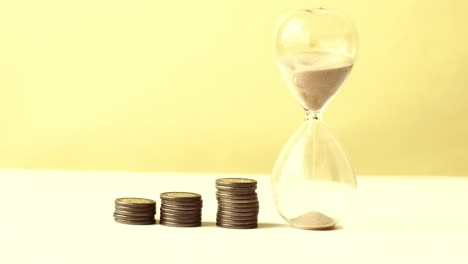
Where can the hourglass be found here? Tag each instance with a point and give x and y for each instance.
(313, 182)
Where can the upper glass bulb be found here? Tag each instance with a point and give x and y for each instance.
(315, 50)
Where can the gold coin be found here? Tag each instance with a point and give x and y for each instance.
(180, 196)
(135, 202)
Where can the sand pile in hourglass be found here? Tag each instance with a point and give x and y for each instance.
(315, 77)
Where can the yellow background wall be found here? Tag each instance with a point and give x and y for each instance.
(192, 86)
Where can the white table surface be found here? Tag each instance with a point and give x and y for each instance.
(66, 217)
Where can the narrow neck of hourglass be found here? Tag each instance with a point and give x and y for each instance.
(313, 115)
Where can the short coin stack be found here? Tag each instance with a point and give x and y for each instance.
(181, 209)
(238, 204)
(135, 211)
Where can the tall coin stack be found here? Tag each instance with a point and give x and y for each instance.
(238, 205)
(181, 209)
(135, 211)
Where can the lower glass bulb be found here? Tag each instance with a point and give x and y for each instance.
(313, 182)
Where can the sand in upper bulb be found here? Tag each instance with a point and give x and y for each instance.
(315, 77)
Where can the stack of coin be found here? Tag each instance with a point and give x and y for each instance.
(181, 209)
(135, 211)
(238, 204)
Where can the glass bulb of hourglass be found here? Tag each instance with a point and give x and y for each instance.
(313, 182)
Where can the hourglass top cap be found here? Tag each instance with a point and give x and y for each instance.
(316, 29)
(318, 10)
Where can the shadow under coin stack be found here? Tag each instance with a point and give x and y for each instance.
(238, 205)
(135, 211)
(181, 209)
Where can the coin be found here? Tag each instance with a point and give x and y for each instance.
(181, 216)
(135, 202)
(181, 208)
(180, 212)
(176, 219)
(236, 220)
(184, 203)
(235, 189)
(238, 201)
(250, 226)
(231, 213)
(131, 222)
(236, 182)
(238, 209)
(135, 215)
(179, 221)
(132, 217)
(120, 212)
(166, 223)
(236, 196)
(236, 216)
(180, 196)
(239, 205)
(136, 209)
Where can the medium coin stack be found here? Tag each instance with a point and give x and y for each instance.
(238, 204)
(181, 209)
(135, 211)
